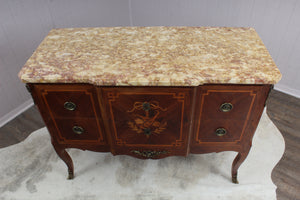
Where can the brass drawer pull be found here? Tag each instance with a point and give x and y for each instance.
(69, 105)
(220, 131)
(78, 130)
(149, 153)
(226, 107)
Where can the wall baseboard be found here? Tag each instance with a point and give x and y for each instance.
(15, 112)
(287, 90)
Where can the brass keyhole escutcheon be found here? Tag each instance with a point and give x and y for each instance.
(78, 130)
(147, 131)
(146, 106)
(226, 107)
(220, 132)
(69, 105)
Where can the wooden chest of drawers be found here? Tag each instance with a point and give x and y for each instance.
(151, 92)
(151, 122)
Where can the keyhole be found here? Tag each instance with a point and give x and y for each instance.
(147, 131)
(146, 106)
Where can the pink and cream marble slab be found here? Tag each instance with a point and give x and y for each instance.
(151, 56)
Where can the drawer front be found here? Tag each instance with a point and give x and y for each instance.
(78, 130)
(67, 106)
(220, 130)
(226, 113)
(148, 119)
(70, 102)
(227, 104)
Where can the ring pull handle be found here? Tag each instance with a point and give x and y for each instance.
(220, 131)
(78, 130)
(226, 107)
(69, 105)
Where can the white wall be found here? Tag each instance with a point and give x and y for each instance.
(24, 23)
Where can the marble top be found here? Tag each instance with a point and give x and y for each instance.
(151, 56)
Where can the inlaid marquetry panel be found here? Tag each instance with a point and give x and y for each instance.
(152, 118)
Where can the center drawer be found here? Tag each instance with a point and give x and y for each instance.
(147, 120)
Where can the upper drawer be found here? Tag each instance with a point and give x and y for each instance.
(66, 101)
(226, 103)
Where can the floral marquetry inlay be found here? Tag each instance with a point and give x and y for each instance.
(153, 118)
(147, 123)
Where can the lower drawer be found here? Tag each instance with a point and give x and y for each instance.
(220, 130)
(78, 131)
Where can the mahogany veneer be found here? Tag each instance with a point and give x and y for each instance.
(151, 122)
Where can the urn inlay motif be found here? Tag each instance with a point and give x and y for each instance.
(147, 123)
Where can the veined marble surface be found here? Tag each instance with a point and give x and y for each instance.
(151, 56)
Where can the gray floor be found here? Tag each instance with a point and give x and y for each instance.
(284, 111)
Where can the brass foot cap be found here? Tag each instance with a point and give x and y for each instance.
(71, 176)
(234, 180)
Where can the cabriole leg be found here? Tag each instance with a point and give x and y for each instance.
(239, 159)
(61, 152)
